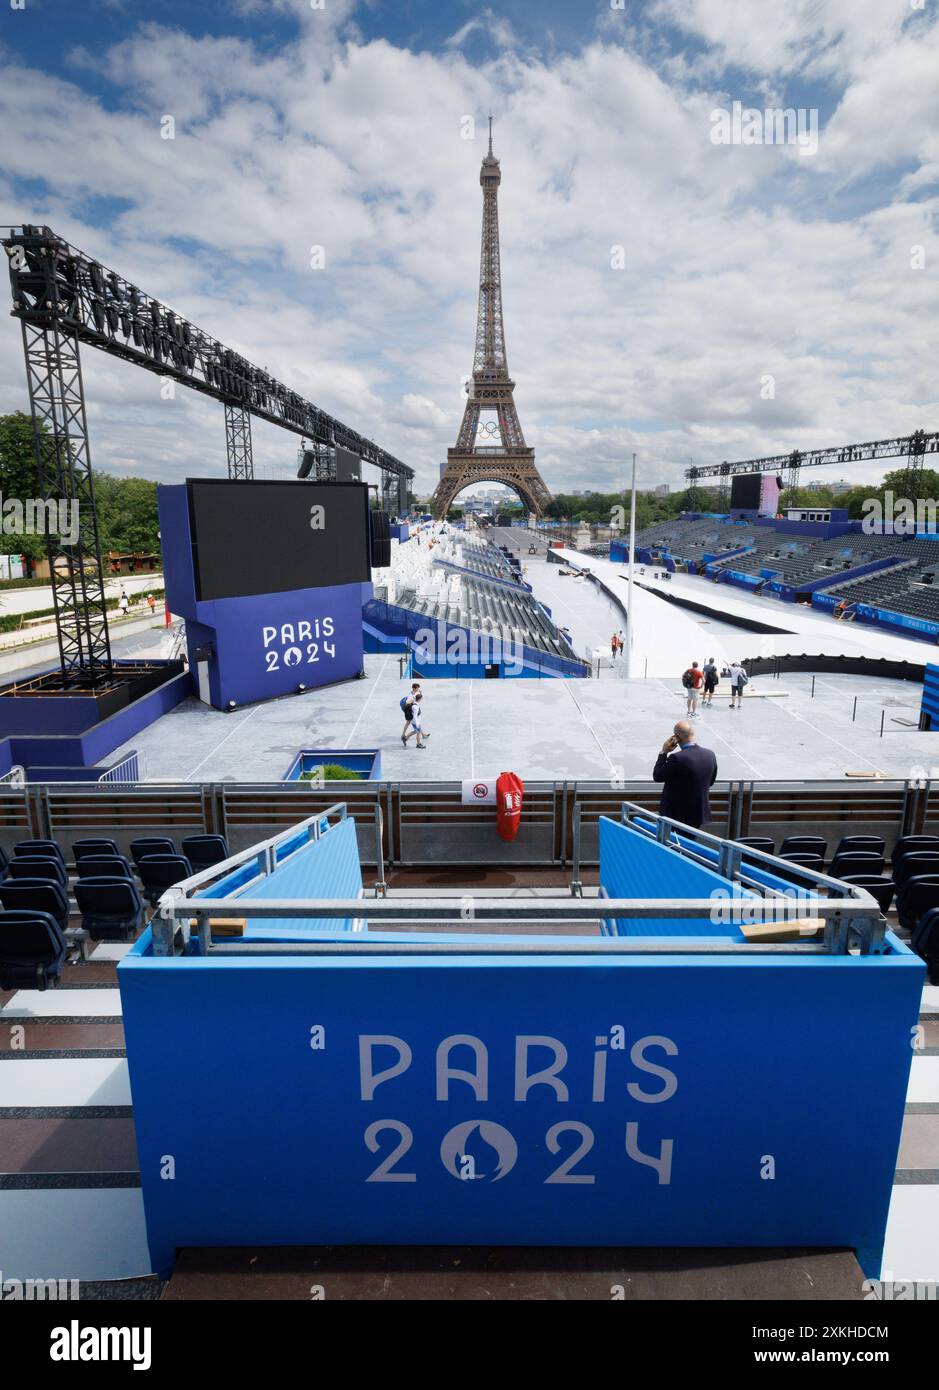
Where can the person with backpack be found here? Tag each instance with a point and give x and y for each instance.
(738, 679)
(692, 680)
(406, 706)
(711, 679)
(417, 727)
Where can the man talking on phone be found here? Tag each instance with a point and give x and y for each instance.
(688, 772)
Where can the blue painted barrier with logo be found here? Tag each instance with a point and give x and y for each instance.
(660, 1099)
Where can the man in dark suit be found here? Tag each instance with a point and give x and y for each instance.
(688, 772)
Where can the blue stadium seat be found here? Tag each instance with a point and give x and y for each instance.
(111, 908)
(159, 872)
(880, 888)
(32, 950)
(36, 895)
(81, 849)
(47, 848)
(915, 898)
(27, 866)
(104, 866)
(203, 851)
(150, 845)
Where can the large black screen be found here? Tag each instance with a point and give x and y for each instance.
(745, 491)
(268, 538)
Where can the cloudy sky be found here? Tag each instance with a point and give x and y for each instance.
(652, 279)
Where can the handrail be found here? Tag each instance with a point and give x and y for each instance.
(16, 777)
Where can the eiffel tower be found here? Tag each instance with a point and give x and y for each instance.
(491, 389)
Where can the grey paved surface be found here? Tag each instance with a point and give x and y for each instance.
(600, 728)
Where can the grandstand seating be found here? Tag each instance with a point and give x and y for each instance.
(32, 950)
(159, 872)
(111, 908)
(203, 851)
(36, 895)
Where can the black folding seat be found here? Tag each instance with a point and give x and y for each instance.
(104, 866)
(762, 842)
(35, 895)
(150, 845)
(32, 950)
(915, 898)
(872, 844)
(203, 851)
(913, 844)
(917, 862)
(81, 849)
(47, 848)
(111, 908)
(26, 866)
(4, 861)
(856, 862)
(880, 888)
(815, 862)
(159, 872)
(804, 844)
(925, 942)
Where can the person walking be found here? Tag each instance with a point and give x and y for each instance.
(614, 645)
(687, 772)
(407, 705)
(738, 679)
(417, 725)
(711, 679)
(123, 602)
(620, 643)
(692, 680)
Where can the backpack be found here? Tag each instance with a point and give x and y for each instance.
(406, 705)
(744, 678)
(687, 679)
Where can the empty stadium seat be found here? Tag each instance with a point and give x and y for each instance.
(35, 895)
(38, 867)
(758, 842)
(159, 872)
(804, 844)
(872, 844)
(32, 950)
(4, 861)
(856, 862)
(111, 908)
(203, 851)
(81, 849)
(880, 888)
(925, 942)
(149, 845)
(104, 866)
(909, 844)
(815, 862)
(47, 848)
(915, 897)
(918, 862)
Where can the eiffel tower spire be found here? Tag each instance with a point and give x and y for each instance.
(490, 389)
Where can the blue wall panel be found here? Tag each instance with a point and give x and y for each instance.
(276, 1141)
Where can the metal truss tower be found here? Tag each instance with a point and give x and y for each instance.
(238, 442)
(491, 389)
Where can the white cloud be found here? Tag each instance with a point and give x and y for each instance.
(738, 261)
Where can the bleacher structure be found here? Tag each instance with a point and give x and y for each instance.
(906, 584)
(444, 576)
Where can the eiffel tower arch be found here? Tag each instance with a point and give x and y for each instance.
(490, 390)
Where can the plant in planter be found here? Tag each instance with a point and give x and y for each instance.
(331, 772)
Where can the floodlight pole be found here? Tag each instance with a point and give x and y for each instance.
(629, 583)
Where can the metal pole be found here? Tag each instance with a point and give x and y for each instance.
(854, 711)
(813, 687)
(629, 583)
(882, 713)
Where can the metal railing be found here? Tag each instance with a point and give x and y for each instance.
(129, 770)
(16, 777)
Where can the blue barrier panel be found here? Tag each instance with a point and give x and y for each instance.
(648, 1099)
(634, 865)
(929, 707)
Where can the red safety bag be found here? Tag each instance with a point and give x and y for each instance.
(510, 790)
